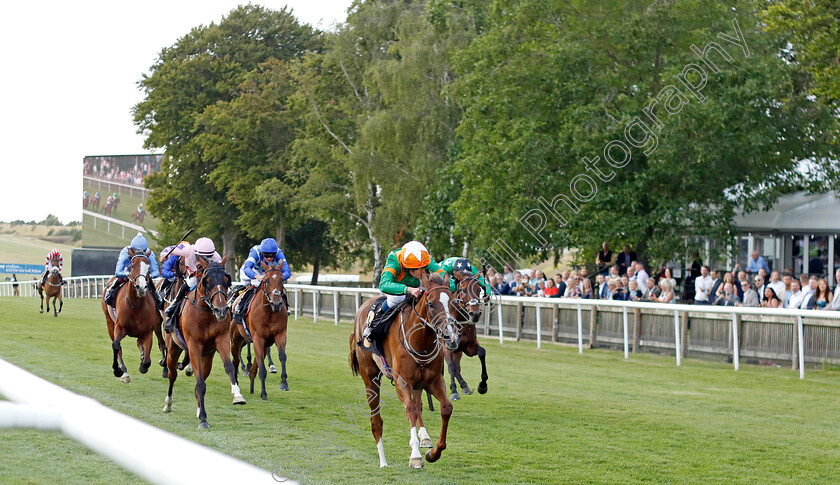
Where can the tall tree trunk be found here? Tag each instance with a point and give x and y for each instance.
(281, 235)
(466, 249)
(316, 268)
(229, 249)
(377, 248)
(377, 261)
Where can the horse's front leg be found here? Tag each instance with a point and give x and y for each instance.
(119, 370)
(438, 389)
(280, 341)
(60, 303)
(42, 301)
(464, 386)
(223, 347)
(162, 348)
(271, 367)
(482, 386)
(422, 433)
(259, 365)
(146, 361)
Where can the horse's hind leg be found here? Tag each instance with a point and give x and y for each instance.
(60, 303)
(172, 365)
(482, 386)
(119, 367)
(42, 300)
(280, 341)
(223, 347)
(451, 367)
(271, 367)
(464, 387)
(259, 364)
(372, 389)
(162, 347)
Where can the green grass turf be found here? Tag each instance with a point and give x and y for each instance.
(551, 415)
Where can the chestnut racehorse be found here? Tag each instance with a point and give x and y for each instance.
(52, 289)
(266, 321)
(205, 322)
(168, 296)
(136, 316)
(467, 307)
(94, 204)
(412, 349)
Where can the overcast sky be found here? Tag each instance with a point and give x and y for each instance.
(69, 80)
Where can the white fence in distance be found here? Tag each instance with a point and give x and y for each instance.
(109, 185)
(312, 298)
(119, 225)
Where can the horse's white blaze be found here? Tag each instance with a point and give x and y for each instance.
(415, 444)
(444, 298)
(144, 270)
(381, 449)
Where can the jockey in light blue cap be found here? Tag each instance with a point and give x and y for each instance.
(138, 245)
(268, 252)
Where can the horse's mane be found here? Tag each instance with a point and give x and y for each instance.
(436, 279)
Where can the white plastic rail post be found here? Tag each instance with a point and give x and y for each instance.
(677, 334)
(580, 329)
(539, 328)
(626, 341)
(501, 337)
(314, 305)
(297, 306)
(735, 350)
(801, 333)
(335, 306)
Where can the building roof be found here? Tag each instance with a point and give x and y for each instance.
(796, 213)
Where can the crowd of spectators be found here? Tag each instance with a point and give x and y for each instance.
(622, 277)
(109, 169)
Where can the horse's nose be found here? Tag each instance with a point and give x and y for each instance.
(474, 316)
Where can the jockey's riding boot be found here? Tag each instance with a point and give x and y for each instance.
(158, 299)
(375, 321)
(172, 310)
(111, 296)
(244, 303)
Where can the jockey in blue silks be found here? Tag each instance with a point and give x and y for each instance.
(138, 245)
(252, 272)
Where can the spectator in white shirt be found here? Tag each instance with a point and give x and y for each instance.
(808, 299)
(777, 284)
(508, 274)
(796, 295)
(786, 280)
(641, 275)
(702, 287)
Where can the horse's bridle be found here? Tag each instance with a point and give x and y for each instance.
(275, 292)
(463, 306)
(208, 300)
(425, 356)
(132, 280)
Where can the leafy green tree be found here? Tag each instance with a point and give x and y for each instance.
(205, 67)
(550, 85)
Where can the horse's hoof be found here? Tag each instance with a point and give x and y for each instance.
(466, 390)
(40, 311)
(188, 371)
(454, 397)
(417, 462)
(55, 315)
(264, 398)
(125, 379)
(482, 388)
(429, 457)
(426, 443)
(162, 363)
(143, 369)
(284, 386)
(118, 372)
(238, 400)
(272, 369)
(180, 366)
(203, 425)
(167, 408)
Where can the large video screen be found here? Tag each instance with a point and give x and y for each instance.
(114, 199)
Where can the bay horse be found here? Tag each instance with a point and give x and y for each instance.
(204, 326)
(51, 289)
(94, 204)
(85, 202)
(266, 320)
(138, 216)
(412, 349)
(467, 306)
(136, 315)
(109, 205)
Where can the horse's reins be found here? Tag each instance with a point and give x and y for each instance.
(438, 332)
(462, 305)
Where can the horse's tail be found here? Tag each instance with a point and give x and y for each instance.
(354, 362)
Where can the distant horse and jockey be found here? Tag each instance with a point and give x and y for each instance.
(49, 287)
(139, 214)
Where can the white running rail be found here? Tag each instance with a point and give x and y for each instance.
(131, 443)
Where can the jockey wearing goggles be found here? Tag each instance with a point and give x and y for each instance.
(268, 252)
